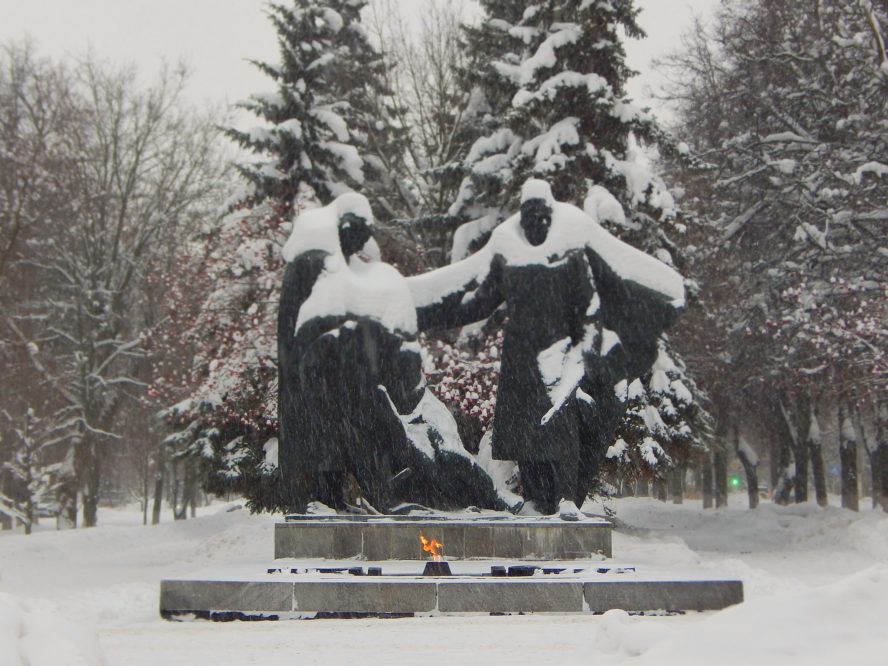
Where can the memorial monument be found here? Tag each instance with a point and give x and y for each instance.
(584, 313)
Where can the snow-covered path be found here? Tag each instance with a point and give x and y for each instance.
(816, 588)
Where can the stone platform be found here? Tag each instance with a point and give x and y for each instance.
(387, 538)
(347, 567)
(309, 594)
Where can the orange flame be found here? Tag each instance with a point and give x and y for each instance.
(434, 547)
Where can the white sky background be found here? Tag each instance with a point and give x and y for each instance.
(217, 36)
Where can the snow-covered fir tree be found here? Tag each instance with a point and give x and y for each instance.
(327, 124)
(665, 425)
(325, 130)
(550, 98)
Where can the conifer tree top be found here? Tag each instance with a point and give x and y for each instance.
(314, 130)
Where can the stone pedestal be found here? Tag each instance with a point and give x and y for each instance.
(400, 595)
(386, 539)
(348, 568)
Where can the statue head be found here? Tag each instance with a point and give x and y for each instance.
(536, 211)
(536, 218)
(354, 222)
(354, 232)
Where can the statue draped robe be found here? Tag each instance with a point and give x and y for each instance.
(575, 328)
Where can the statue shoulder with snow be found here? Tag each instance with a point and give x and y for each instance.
(584, 313)
(352, 396)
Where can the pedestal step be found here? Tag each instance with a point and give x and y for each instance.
(399, 596)
(399, 540)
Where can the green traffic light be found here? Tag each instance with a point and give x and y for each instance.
(735, 481)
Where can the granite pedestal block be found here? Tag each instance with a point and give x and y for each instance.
(687, 595)
(399, 595)
(399, 540)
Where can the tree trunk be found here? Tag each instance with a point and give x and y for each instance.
(880, 458)
(67, 499)
(774, 463)
(865, 482)
(93, 480)
(660, 489)
(814, 443)
(720, 471)
(795, 470)
(144, 492)
(848, 460)
(158, 495)
(750, 461)
(707, 483)
(189, 488)
(800, 414)
(642, 488)
(800, 479)
(786, 473)
(880, 476)
(173, 489)
(676, 484)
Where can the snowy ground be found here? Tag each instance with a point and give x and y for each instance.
(816, 584)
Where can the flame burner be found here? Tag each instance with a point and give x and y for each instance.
(437, 568)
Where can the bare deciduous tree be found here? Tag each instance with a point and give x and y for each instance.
(129, 170)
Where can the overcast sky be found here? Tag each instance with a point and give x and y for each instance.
(216, 36)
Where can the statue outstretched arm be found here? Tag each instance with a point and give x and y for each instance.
(460, 294)
(638, 314)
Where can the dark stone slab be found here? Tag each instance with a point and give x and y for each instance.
(510, 596)
(663, 595)
(389, 542)
(346, 541)
(478, 541)
(579, 543)
(393, 596)
(509, 542)
(199, 595)
(365, 597)
(399, 540)
(309, 541)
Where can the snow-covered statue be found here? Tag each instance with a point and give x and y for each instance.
(352, 396)
(584, 312)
